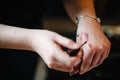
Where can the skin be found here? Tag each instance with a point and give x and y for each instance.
(98, 46)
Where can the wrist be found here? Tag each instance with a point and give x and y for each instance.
(34, 39)
(24, 39)
(87, 24)
(30, 39)
(79, 18)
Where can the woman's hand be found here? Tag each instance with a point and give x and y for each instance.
(98, 46)
(49, 46)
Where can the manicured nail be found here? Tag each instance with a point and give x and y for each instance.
(84, 36)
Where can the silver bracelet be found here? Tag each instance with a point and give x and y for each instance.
(78, 18)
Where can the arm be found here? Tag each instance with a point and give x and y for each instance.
(98, 46)
(14, 38)
(79, 7)
(46, 43)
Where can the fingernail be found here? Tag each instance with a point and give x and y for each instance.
(84, 37)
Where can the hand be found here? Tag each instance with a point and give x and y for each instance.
(77, 65)
(98, 46)
(49, 46)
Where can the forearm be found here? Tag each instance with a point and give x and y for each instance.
(79, 7)
(14, 38)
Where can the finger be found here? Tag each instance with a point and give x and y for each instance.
(63, 58)
(77, 60)
(59, 66)
(59, 57)
(73, 72)
(88, 54)
(63, 66)
(100, 57)
(68, 43)
(75, 68)
(103, 56)
(77, 64)
(80, 54)
(108, 51)
(96, 59)
(76, 51)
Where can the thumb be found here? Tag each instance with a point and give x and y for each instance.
(65, 42)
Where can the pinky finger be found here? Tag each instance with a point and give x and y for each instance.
(103, 57)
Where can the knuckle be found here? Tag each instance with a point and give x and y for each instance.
(91, 50)
(101, 47)
(52, 54)
(91, 47)
(69, 64)
(50, 64)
